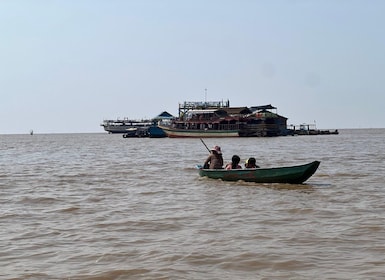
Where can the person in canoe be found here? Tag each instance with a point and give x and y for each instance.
(234, 163)
(215, 159)
(251, 163)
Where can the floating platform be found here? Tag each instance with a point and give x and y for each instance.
(309, 129)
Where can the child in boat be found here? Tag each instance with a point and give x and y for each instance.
(215, 159)
(234, 163)
(251, 163)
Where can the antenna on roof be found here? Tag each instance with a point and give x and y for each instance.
(205, 95)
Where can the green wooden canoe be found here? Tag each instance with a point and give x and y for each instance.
(288, 174)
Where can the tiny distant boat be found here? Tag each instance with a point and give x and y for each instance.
(288, 174)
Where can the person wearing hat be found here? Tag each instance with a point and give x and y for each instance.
(215, 159)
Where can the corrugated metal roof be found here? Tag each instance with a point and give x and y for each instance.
(164, 115)
(237, 110)
(203, 111)
(263, 107)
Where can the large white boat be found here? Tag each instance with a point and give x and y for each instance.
(124, 125)
(137, 128)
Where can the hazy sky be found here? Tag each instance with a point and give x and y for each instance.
(67, 65)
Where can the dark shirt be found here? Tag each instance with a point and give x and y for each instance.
(214, 160)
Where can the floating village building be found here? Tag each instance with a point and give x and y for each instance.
(218, 119)
(212, 119)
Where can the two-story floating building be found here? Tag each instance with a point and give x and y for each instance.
(218, 119)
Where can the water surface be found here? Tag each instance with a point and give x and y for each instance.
(99, 206)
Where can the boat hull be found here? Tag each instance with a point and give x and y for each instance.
(125, 126)
(117, 129)
(156, 132)
(183, 133)
(289, 174)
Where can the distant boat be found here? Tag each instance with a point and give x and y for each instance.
(137, 128)
(137, 132)
(309, 129)
(288, 174)
(124, 125)
(156, 132)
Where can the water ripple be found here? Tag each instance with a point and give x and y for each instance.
(97, 206)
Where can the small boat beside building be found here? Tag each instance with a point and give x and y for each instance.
(137, 132)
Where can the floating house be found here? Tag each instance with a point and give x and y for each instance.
(203, 119)
(218, 119)
(263, 122)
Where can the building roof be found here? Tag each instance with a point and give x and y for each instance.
(164, 115)
(263, 107)
(202, 111)
(236, 110)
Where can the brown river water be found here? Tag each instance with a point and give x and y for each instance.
(99, 206)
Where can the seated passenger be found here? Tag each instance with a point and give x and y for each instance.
(234, 163)
(251, 163)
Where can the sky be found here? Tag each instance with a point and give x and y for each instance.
(66, 65)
